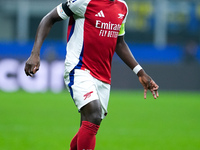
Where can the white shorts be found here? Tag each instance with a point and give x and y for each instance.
(84, 88)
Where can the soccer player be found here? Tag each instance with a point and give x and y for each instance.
(95, 32)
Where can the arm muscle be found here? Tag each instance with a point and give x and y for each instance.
(125, 54)
(44, 28)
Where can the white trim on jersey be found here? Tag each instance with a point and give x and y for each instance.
(74, 49)
(124, 21)
(78, 7)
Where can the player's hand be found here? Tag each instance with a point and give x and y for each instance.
(149, 84)
(32, 65)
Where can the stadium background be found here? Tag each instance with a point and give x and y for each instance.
(164, 37)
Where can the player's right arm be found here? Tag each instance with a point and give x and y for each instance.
(125, 54)
(59, 13)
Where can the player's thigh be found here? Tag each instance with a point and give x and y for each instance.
(82, 87)
(92, 112)
(103, 90)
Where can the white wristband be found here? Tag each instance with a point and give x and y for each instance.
(137, 68)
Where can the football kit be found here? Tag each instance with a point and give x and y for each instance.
(93, 29)
(92, 34)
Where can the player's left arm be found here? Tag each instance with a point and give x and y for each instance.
(125, 54)
(59, 13)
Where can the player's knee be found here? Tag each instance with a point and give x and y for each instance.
(96, 117)
(92, 112)
(93, 116)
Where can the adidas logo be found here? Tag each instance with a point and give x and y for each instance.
(100, 14)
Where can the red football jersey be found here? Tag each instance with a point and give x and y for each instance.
(92, 35)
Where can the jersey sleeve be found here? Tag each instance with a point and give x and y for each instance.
(78, 7)
(122, 29)
(63, 11)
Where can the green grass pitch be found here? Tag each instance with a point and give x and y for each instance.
(48, 121)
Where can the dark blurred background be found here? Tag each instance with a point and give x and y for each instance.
(163, 35)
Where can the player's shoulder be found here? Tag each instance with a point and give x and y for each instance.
(77, 3)
(123, 3)
(78, 7)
